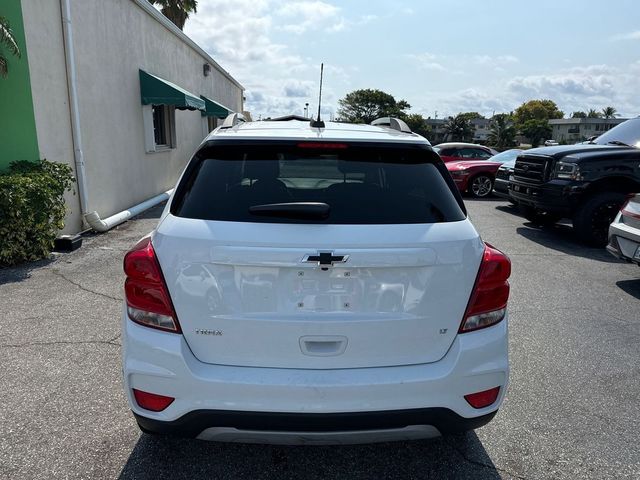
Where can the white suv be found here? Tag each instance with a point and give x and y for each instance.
(314, 285)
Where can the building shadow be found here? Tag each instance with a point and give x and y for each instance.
(22, 271)
(458, 456)
(631, 287)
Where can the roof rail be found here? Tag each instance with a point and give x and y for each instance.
(232, 120)
(392, 122)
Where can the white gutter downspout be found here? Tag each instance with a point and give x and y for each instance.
(91, 218)
(81, 177)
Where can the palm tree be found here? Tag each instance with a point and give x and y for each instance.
(458, 128)
(593, 113)
(7, 40)
(607, 113)
(177, 10)
(503, 133)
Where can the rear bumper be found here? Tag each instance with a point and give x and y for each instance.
(624, 241)
(314, 427)
(341, 400)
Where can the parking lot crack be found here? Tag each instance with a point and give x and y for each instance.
(82, 287)
(484, 465)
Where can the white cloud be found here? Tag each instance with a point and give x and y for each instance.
(578, 88)
(453, 63)
(496, 61)
(626, 36)
(310, 15)
(425, 61)
(298, 88)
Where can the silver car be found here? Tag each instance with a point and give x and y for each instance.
(624, 232)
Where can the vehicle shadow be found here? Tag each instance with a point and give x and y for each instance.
(631, 287)
(560, 237)
(458, 456)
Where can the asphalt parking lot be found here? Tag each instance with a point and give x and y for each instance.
(572, 410)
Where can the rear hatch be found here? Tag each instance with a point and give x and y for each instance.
(370, 261)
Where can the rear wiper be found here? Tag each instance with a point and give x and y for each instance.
(310, 210)
(618, 142)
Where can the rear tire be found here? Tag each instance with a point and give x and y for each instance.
(591, 221)
(539, 217)
(480, 186)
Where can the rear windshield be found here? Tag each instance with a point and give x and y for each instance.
(359, 184)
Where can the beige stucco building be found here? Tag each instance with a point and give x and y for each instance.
(571, 130)
(122, 95)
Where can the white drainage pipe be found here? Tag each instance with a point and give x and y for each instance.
(99, 225)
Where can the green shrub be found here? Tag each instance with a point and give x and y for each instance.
(32, 209)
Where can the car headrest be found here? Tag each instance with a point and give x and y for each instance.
(262, 169)
(345, 166)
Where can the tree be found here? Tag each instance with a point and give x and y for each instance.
(8, 41)
(458, 128)
(417, 124)
(579, 114)
(364, 106)
(593, 113)
(177, 10)
(470, 115)
(536, 110)
(536, 131)
(609, 112)
(503, 133)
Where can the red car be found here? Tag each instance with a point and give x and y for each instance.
(456, 151)
(474, 176)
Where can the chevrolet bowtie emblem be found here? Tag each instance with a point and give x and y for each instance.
(325, 259)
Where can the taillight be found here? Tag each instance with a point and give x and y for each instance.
(630, 208)
(148, 300)
(484, 398)
(152, 401)
(488, 303)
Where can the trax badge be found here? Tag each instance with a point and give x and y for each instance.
(201, 331)
(325, 259)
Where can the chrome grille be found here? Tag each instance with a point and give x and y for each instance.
(531, 169)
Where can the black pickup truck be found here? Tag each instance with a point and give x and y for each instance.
(587, 183)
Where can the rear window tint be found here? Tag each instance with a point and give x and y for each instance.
(361, 185)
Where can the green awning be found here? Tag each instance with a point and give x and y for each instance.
(157, 91)
(214, 109)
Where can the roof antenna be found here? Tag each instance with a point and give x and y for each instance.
(319, 123)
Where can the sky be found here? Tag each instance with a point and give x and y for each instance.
(443, 57)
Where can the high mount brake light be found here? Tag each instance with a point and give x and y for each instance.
(488, 303)
(148, 300)
(323, 145)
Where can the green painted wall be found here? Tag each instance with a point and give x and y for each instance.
(18, 138)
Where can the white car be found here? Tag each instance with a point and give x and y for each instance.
(345, 296)
(550, 143)
(624, 232)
